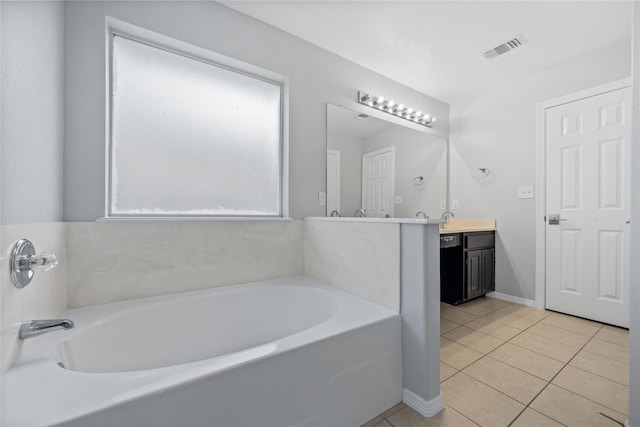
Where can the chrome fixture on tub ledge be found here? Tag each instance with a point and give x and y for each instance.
(361, 213)
(38, 327)
(24, 262)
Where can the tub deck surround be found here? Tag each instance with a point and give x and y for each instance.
(467, 225)
(327, 356)
(394, 262)
(377, 220)
(118, 261)
(358, 255)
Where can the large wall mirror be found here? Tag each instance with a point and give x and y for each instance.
(385, 169)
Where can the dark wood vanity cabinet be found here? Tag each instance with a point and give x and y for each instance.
(467, 271)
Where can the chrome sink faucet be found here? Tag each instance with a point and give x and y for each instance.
(360, 213)
(424, 215)
(335, 212)
(447, 215)
(38, 327)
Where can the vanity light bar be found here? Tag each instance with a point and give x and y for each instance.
(398, 110)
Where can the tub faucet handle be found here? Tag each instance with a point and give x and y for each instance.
(43, 261)
(24, 262)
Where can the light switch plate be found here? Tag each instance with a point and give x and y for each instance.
(455, 205)
(398, 200)
(443, 205)
(525, 192)
(322, 198)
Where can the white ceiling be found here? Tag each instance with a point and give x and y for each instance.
(436, 47)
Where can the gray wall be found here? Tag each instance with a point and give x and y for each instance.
(316, 77)
(31, 112)
(497, 130)
(634, 331)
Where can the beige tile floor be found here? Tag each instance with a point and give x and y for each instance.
(504, 364)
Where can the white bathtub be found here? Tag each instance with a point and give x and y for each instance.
(286, 352)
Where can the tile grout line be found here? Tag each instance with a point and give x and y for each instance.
(564, 364)
(550, 381)
(522, 331)
(536, 322)
(547, 382)
(596, 374)
(578, 394)
(487, 355)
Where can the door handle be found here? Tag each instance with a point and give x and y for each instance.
(554, 219)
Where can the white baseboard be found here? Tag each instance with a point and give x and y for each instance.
(426, 408)
(511, 298)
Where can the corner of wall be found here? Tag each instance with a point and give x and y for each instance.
(44, 297)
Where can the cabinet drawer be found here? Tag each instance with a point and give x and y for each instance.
(474, 241)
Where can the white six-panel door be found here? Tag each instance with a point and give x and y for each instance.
(587, 188)
(378, 171)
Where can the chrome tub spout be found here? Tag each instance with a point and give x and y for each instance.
(38, 327)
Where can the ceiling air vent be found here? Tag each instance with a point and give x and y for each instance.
(505, 47)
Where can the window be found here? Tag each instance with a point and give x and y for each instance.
(190, 136)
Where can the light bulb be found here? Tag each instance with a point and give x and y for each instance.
(400, 109)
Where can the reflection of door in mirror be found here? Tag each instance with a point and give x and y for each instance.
(333, 181)
(378, 171)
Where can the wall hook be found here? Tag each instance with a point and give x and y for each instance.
(484, 172)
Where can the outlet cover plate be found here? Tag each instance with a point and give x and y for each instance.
(525, 192)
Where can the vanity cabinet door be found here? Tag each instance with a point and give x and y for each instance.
(480, 269)
(489, 270)
(475, 276)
